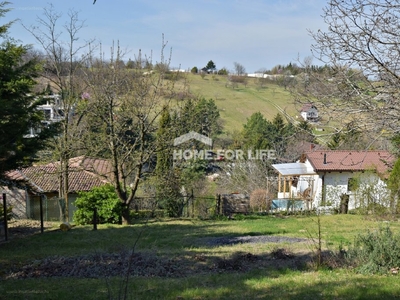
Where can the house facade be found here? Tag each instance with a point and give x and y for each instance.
(309, 112)
(28, 187)
(52, 112)
(337, 178)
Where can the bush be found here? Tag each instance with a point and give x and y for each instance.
(375, 252)
(261, 200)
(104, 198)
(173, 206)
(9, 213)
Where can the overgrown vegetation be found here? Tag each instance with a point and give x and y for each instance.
(376, 251)
(9, 213)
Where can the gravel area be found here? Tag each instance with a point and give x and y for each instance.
(221, 241)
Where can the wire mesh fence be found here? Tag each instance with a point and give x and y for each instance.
(52, 208)
(188, 206)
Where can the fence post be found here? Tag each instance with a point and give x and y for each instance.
(41, 213)
(5, 217)
(95, 218)
(218, 203)
(192, 197)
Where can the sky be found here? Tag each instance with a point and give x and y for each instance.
(258, 34)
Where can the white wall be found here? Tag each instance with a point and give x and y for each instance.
(371, 189)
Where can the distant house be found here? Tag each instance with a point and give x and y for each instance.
(309, 112)
(52, 112)
(335, 178)
(27, 185)
(52, 109)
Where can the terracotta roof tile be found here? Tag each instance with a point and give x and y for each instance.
(350, 160)
(46, 177)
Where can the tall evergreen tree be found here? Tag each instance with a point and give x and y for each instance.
(199, 115)
(18, 111)
(255, 132)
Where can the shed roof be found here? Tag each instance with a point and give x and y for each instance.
(45, 178)
(293, 169)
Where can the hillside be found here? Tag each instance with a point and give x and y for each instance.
(238, 104)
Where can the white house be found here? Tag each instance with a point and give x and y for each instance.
(309, 112)
(52, 109)
(52, 112)
(335, 178)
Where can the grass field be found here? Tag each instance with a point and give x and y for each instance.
(180, 245)
(238, 104)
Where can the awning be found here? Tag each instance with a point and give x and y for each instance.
(293, 169)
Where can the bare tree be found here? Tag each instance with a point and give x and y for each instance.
(362, 49)
(239, 69)
(124, 108)
(63, 61)
(286, 79)
(244, 176)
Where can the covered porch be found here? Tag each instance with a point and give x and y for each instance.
(296, 185)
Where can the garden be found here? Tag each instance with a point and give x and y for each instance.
(246, 257)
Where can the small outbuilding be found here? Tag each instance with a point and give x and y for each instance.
(27, 186)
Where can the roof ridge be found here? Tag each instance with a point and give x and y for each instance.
(339, 150)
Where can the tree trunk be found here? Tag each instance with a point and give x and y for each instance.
(125, 215)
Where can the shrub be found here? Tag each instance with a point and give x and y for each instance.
(261, 200)
(103, 198)
(9, 212)
(173, 206)
(375, 252)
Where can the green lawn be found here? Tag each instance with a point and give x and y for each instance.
(238, 104)
(182, 244)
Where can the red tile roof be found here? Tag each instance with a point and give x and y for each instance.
(99, 166)
(45, 178)
(351, 160)
(307, 107)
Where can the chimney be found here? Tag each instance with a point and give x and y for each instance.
(324, 158)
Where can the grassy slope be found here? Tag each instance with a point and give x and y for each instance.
(236, 105)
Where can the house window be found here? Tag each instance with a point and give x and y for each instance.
(352, 185)
(47, 114)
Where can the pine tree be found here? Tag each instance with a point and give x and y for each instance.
(18, 107)
(164, 154)
(255, 132)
